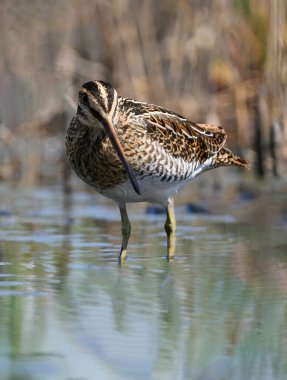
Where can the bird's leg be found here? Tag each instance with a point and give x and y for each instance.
(126, 231)
(169, 227)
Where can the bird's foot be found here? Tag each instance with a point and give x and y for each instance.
(170, 254)
(123, 255)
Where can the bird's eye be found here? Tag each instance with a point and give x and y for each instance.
(84, 98)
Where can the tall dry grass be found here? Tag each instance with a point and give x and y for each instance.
(219, 61)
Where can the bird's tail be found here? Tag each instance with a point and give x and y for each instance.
(226, 158)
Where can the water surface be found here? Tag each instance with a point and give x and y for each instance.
(69, 311)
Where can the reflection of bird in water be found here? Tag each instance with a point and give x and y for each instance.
(131, 151)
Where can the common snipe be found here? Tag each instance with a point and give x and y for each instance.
(131, 151)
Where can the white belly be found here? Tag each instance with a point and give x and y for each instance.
(153, 191)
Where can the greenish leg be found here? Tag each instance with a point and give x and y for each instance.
(126, 232)
(169, 227)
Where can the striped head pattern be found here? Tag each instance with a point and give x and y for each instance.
(97, 98)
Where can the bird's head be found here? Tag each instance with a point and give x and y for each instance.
(97, 100)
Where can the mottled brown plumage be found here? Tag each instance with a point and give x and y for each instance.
(132, 151)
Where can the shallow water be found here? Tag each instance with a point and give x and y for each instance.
(69, 311)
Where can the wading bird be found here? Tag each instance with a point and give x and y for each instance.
(131, 151)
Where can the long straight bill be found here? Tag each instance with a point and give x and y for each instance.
(119, 150)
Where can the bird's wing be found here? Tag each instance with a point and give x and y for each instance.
(213, 135)
(174, 132)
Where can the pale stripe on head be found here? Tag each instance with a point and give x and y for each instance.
(103, 94)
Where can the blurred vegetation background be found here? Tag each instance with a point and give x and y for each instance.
(219, 61)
